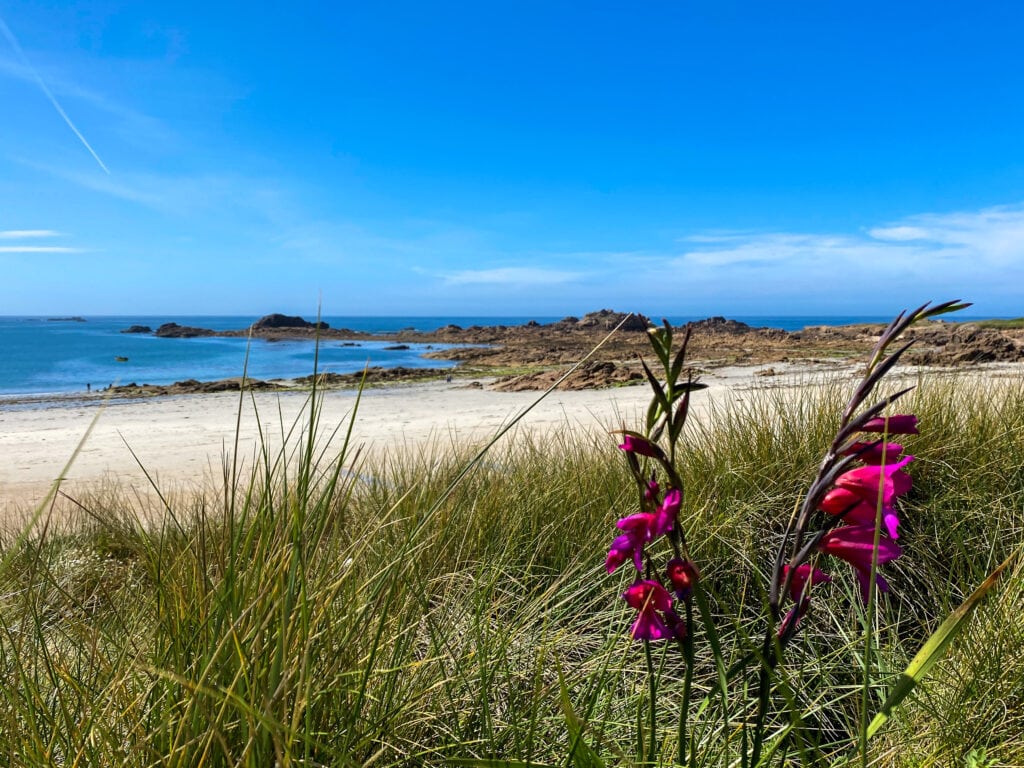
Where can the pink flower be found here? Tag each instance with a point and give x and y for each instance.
(899, 424)
(875, 453)
(855, 545)
(865, 481)
(640, 445)
(801, 577)
(641, 528)
(631, 543)
(682, 575)
(856, 511)
(799, 593)
(649, 598)
(668, 511)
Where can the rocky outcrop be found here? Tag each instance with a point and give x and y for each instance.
(592, 375)
(175, 331)
(192, 386)
(137, 329)
(956, 344)
(278, 322)
(607, 319)
(374, 375)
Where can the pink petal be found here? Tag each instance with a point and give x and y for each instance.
(898, 424)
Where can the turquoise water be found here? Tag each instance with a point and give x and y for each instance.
(43, 356)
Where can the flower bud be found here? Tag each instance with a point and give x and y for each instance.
(682, 575)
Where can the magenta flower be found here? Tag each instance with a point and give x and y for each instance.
(865, 481)
(855, 545)
(875, 453)
(640, 445)
(801, 577)
(630, 544)
(682, 575)
(668, 511)
(800, 594)
(650, 599)
(856, 511)
(900, 424)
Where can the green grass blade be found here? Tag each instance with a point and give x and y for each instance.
(581, 754)
(935, 647)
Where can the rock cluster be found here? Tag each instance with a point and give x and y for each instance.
(175, 331)
(277, 321)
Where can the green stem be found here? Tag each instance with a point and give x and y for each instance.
(652, 707)
(684, 708)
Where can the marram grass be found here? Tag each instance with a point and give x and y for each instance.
(328, 610)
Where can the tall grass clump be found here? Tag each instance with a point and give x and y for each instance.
(331, 608)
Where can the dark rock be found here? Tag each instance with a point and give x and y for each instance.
(720, 325)
(275, 320)
(175, 331)
(608, 319)
(396, 347)
(137, 329)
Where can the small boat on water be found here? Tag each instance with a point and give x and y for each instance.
(121, 359)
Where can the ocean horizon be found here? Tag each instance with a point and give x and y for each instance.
(60, 355)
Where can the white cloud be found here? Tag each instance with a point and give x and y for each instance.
(23, 234)
(974, 255)
(30, 235)
(37, 249)
(511, 276)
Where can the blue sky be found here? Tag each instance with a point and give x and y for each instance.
(546, 158)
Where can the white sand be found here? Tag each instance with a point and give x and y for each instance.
(182, 441)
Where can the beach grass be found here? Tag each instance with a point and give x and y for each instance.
(327, 609)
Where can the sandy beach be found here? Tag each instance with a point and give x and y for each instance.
(182, 441)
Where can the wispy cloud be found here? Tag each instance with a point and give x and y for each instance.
(32, 236)
(24, 234)
(511, 276)
(969, 252)
(49, 94)
(38, 249)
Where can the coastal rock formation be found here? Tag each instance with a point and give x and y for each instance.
(192, 386)
(958, 344)
(175, 331)
(608, 319)
(276, 321)
(137, 329)
(545, 350)
(374, 375)
(592, 375)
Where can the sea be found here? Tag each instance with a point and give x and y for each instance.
(61, 355)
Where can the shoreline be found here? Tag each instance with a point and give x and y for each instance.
(182, 440)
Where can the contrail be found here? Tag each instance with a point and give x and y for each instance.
(49, 94)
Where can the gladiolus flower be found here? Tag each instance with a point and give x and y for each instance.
(799, 593)
(801, 576)
(875, 453)
(640, 445)
(651, 489)
(856, 511)
(665, 517)
(676, 625)
(865, 481)
(648, 597)
(682, 575)
(630, 544)
(900, 424)
(856, 545)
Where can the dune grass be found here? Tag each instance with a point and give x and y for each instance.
(330, 610)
